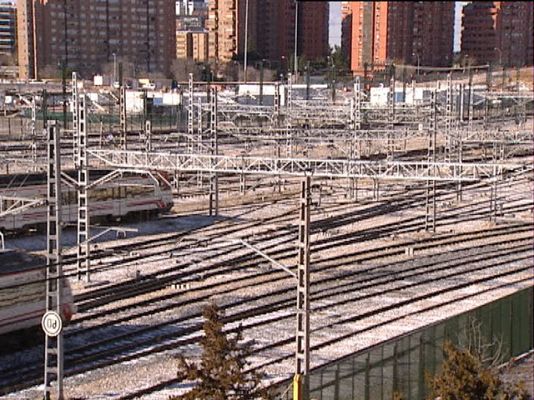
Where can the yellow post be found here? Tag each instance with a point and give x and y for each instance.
(297, 387)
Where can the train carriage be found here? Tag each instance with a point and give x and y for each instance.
(23, 292)
(112, 200)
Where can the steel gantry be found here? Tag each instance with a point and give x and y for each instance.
(327, 168)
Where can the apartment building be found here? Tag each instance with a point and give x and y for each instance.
(417, 33)
(192, 45)
(498, 32)
(271, 29)
(8, 29)
(87, 34)
(313, 28)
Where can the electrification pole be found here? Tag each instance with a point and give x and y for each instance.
(51, 322)
(302, 359)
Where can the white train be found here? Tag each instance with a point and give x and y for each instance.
(23, 292)
(129, 196)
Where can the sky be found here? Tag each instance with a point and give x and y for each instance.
(335, 23)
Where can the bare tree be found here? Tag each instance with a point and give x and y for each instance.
(464, 376)
(50, 72)
(182, 67)
(488, 350)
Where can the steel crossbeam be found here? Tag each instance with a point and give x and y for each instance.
(502, 136)
(316, 134)
(403, 170)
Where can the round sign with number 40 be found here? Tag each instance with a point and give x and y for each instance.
(52, 323)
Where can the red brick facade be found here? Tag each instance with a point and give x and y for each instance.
(402, 32)
(86, 33)
(498, 32)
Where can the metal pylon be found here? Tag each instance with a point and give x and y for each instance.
(358, 98)
(462, 103)
(498, 155)
(190, 116)
(302, 359)
(34, 133)
(83, 251)
(289, 140)
(430, 215)
(450, 141)
(197, 145)
(53, 366)
(122, 112)
(276, 100)
(352, 121)
(214, 149)
(391, 116)
(289, 92)
(470, 109)
(75, 113)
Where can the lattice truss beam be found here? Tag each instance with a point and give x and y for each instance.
(11, 205)
(324, 135)
(388, 170)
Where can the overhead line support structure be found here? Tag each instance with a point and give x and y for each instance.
(190, 115)
(147, 123)
(214, 150)
(302, 356)
(122, 118)
(83, 250)
(391, 116)
(450, 140)
(34, 133)
(53, 363)
(388, 170)
(430, 215)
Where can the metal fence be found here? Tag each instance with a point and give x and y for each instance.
(402, 363)
(18, 126)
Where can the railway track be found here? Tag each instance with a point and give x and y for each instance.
(411, 225)
(497, 233)
(362, 278)
(99, 352)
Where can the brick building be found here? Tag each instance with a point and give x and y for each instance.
(192, 45)
(271, 29)
(498, 32)
(401, 32)
(87, 34)
(313, 20)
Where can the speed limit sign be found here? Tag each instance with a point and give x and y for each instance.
(52, 323)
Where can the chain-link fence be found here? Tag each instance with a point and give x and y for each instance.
(18, 127)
